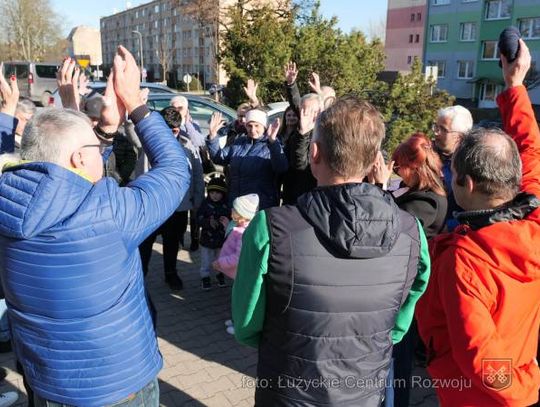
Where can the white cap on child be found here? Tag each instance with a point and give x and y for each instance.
(246, 206)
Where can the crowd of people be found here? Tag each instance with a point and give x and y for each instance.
(346, 267)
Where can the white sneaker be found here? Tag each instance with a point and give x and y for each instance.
(7, 399)
(228, 323)
(230, 330)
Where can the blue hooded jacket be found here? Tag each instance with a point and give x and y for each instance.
(71, 271)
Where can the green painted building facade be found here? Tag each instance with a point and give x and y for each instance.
(461, 40)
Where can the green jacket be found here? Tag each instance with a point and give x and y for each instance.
(249, 294)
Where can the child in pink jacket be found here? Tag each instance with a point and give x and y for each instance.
(244, 209)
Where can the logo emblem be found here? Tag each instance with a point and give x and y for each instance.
(497, 373)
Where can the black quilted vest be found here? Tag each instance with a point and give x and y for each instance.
(341, 265)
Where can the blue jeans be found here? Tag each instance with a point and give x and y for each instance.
(148, 396)
(5, 333)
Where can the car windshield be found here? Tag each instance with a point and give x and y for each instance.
(46, 71)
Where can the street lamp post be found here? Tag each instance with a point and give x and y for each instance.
(141, 52)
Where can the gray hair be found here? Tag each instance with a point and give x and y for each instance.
(491, 158)
(181, 100)
(50, 133)
(460, 117)
(309, 97)
(25, 106)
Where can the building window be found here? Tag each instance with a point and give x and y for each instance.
(465, 69)
(439, 2)
(439, 33)
(441, 67)
(156, 8)
(409, 60)
(498, 9)
(142, 12)
(490, 50)
(155, 24)
(411, 38)
(530, 27)
(467, 32)
(417, 38)
(137, 14)
(489, 91)
(412, 16)
(469, 1)
(418, 16)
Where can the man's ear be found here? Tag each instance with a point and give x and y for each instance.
(314, 153)
(77, 160)
(469, 184)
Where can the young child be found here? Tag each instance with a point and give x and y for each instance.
(213, 216)
(243, 210)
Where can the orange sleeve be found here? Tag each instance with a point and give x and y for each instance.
(472, 331)
(520, 123)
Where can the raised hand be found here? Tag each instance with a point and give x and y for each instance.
(251, 92)
(9, 92)
(308, 116)
(273, 130)
(290, 72)
(127, 79)
(216, 123)
(514, 73)
(67, 79)
(380, 172)
(315, 83)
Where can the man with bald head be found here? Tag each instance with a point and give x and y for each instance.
(479, 317)
(69, 261)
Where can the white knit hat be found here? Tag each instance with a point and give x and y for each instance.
(246, 206)
(257, 116)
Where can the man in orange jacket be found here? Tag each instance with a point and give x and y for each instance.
(480, 315)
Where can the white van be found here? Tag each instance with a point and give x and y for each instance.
(36, 80)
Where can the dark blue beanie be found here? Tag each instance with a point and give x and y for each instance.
(509, 43)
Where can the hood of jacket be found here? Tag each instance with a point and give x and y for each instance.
(35, 196)
(353, 220)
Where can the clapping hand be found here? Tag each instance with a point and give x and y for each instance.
(315, 83)
(251, 92)
(308, 116)
(216, 123)
(273, 130)
(380, 172)
(67, 79)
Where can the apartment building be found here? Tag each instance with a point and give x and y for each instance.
(168, 33)
(461, 40)
(405, 22)
(165, 35)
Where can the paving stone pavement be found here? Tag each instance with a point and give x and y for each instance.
(203, 365)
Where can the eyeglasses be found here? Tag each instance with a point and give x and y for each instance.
(102, 147)
(439, 129)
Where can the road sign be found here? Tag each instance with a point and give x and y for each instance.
(187, 78)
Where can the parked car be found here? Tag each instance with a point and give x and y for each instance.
(200, 108)
(275, 110)
(36, 80)
(99, 88)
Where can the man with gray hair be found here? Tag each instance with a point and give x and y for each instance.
(189, 129)
(70, 268)
(480, 315)
(452, 124)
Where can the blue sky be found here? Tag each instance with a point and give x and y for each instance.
(351, 13)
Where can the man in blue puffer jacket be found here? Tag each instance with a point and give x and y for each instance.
(69, 262)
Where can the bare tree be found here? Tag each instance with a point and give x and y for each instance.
(30, 27)
(164, 55)
(377, 29)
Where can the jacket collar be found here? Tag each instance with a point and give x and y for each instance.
(517, 209)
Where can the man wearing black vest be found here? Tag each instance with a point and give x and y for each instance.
(324, 288)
